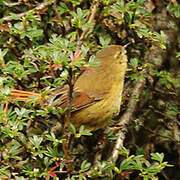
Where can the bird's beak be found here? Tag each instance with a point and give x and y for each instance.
(126, 45)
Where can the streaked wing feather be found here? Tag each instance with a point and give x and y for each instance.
(59, 97)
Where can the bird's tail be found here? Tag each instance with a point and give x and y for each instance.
(19, 95)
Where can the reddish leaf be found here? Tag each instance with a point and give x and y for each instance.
(126, 173)
(102, 139)
(56, 66)
(53, 168)
(83, 68)
(52, 174)
(4, 27)
(76, 55)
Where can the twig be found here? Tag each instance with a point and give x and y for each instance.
(5, 107)
(165, 176)
(167, 116)
(21, 143)
(67, 119)
(11, 4)
(91, 17)
(38, 8)
(171, 139)
(54, 6)
(126, 118)
(70, 97)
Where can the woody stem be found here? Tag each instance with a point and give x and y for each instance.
(67, 121)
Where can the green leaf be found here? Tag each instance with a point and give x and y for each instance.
(157, 156)
(134, 62)
(53, 152)
(72, 129)
(41, 112)
(125, 165)
(178, 55)
(4, 173)
(36, 141)
(62, 8)
(47, 161)
(85, 132)
(85, 166)
(123, 151)
(104, 41)
(22, 112)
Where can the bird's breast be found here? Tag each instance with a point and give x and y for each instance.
(99, 113)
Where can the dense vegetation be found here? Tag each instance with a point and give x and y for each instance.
(43, 44)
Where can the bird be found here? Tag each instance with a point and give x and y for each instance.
(97, 93)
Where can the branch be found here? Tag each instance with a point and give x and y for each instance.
(67, 134)
(38, 8)
(11, 4)
(126, 118)
(90, 18)
(70, 98)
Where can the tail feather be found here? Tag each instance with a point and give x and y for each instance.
(19, 95)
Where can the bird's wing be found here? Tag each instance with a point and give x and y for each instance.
(80, 99)
(58, 98)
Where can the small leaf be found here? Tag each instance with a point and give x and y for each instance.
(134, 62)
(72, 129)
(36, 141)
(157, 156)
(85, 166)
